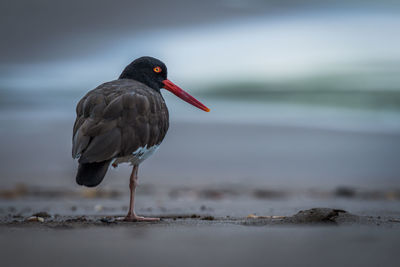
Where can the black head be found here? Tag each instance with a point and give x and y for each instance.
(148, 70)
(153, 73)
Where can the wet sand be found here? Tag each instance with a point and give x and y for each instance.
(327, 238)
(215, 187)
(38, 153)
(201, 245)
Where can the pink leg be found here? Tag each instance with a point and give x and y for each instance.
(131, 216)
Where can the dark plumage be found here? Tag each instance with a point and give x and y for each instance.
(123, 121)
(91, 174)
(116, 111)
(113, 121)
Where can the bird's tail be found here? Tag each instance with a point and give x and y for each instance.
(91, 174)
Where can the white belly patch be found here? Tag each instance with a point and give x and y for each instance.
(137, 156)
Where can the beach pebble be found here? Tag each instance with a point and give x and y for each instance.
(42, 214)
(35, 219)
(253, 216)
(108, 220)
(343, 191)
(320, 215)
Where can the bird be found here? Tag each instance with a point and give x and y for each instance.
(124, 121)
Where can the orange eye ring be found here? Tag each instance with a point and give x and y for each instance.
(157, 69)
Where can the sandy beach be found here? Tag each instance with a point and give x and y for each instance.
(214, 198)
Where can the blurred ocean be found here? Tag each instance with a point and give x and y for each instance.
(299, 95)
(338, 69)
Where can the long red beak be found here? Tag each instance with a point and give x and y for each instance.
(173, 88)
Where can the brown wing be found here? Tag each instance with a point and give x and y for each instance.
(116, 119)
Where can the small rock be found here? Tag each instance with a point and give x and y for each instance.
(211, 194)
(42, 214)
(35, 219)
(319, 215)
(77, 219)
(267, 194)
(278, 217)
(253, 216)
(107, 220)
(19, 191)
(311, 216)
(32, 219)
(208, 218)
(343, 191)
(89, 192)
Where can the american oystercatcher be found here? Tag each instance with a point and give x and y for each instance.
(124, 120)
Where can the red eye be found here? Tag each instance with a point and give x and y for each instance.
(157, 69)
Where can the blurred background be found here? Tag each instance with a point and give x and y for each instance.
(304, 98)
